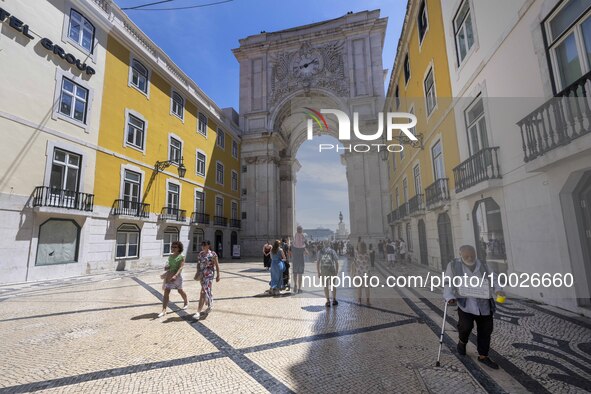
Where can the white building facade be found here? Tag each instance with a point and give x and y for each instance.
(520, 77)
(52, 62)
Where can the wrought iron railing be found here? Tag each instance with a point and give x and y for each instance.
(199, 218)
(437, 192)
(558, 121)
(131, 208)
(403, 210)
(415, 204)
(235, 223)
(220, 221)
(480, 167)
(45, 196)
(175, 214)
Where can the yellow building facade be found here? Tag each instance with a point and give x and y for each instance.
(168, 166)
(420, 176)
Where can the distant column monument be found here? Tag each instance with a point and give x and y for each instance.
(342, 233)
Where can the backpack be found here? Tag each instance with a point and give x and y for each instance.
(327, 263)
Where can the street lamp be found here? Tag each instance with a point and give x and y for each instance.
(161, 165)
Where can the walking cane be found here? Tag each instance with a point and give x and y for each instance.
(438, 364)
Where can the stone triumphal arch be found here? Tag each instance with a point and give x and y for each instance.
(332, 64)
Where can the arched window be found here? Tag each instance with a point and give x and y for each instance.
(139, 76)
(198, 237)
(128, 241)
(171, 234)
(488, 230)
(58, 242)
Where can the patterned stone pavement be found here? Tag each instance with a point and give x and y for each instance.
(101, 334)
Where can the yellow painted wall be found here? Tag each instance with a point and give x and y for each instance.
(119, 96)
(441, 123)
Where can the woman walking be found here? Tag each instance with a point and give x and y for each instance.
(277, 255)
(207, 265)
(298, 250)
(361, 268)
(267, 255)
(172, 277)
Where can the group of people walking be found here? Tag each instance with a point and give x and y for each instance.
(392, 251)
(279, 257)
(207, 268)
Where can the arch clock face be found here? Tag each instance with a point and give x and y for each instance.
(307, 65)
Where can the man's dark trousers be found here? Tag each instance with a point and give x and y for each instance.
(484, 329)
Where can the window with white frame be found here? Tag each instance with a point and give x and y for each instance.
(131, 189)
(423, 21)
(173, 196)
(219, 206)
(221, 140)
(65, 171)
(397, 197)
(139, 76)
(234, 212)
(234, 149)
(198, 237)
(463, 31)
(234, 181)
(202, 124)
(73, 100)
(568, 33)
(406, 68)
(219, 173)
(81, 31)
(171, 234)
(430, 95)
(128, 241)
(175, 150)
(476, 127)
(136, 129)
(199, 201)
(437, 154)
(201, 163)
(417, 177)
(177, 105)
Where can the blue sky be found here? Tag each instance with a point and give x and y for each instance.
(200, 41)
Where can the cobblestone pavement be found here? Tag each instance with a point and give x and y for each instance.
(101, 333)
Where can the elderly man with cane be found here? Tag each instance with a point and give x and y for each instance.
(475, 303)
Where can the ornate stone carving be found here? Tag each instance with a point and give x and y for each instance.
(322, 66)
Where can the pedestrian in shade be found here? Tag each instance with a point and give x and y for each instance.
(172, 277)
(277, 255)
(472, 309)
(327, 266)
(372, 256)
(207, 267)
(298, 250)
(267, 255)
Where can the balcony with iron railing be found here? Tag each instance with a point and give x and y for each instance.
(416, 205)
(220, 221)
(480, 167)
(199, 218)
(131, 208)
(557, 122)
(235, 223)
(45, 196)
(437, 193)
(403, 210)
(172, 214)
